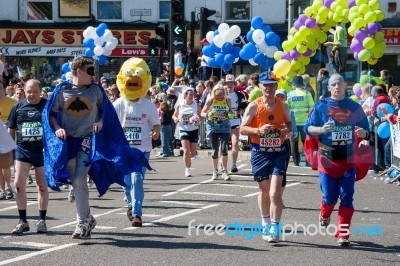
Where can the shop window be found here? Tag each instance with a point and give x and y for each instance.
(109, 10)
(392, 7)
(237, 10)
(165, 10)
(40, 10)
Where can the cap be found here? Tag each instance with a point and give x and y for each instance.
(282, 92)
(298, 81)
(230, 78)
(46, 89)
(334, 79)
(204, 41)
(268, 77)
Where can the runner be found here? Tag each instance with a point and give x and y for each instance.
(267, 121)
(337, 121)
(26, 120)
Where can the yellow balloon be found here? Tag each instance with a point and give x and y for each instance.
(308, 11)
(334, 5)
(292, 31)
(281, 68)
(345, 12)
(364, 9)
(372, 61)
(304, 60)
(353, 16)
(377, 52)
(320, 20)
(364, 55)
(285, 46)
(313, 46)
(301, 48)
(323, 12)
(374, 4)
(310, 39)
(353, 9)
(379, 15)
(342, 3)
(322, 38)
(302, 70)
(379, 37)
(316, 6)
(370, 17)
(368, 43)
(277, 55)
(337, 17)
(360, 2)
(358, 23)
(355, 98)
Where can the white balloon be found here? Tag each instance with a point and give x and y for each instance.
(236, 29)
(69, 76)
(210, 36)
(258, 36)
(91, 32)
(229, 36)
(219, 41)
(107, 36)
(114, 41)
(223, 27)
(271, 51)
(99, 41)
(98, 50)
(251, 61)
(236, 59)
(262, 47)
(107, 52)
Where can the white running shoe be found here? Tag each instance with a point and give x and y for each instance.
(225, 175)
(187, 172)
(215, 175)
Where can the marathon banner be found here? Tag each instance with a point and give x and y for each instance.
(42, 51)
(395, 138)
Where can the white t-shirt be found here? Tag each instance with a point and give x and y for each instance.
(369, 102)
(234, 106)
(137, 120)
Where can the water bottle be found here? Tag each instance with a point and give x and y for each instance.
(332, 124)
(371, 174)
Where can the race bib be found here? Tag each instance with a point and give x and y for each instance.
(270, 142)
(133, 135)
(87, 141)
(185, 119)
(235, 113)
(32, 129)
(342, 135)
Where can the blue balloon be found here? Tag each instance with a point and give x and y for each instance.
(102, 59)
(89, 52)
(66, 67)
(387, 106)
(271, 38)
(63, 77)
(207, 51)
(101, 29)
(236, 51)
(216, 32)
(257, 23)
(182, 65)
(227, 48)
(212, 63)
(219, 59)
(248, 51)
(260, 58)
(249, 36)
(229, 59)
(384, 130)
(215, 48)
(266, 28)
(227, 67)
(89, 43)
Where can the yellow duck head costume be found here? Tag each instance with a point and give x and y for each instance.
(134, 79)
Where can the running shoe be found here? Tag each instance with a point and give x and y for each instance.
(2, 195)
(324, 221)
(215, 175)
(137, 221)
(272, 239)
(82, 231)
(234, 168)
(41, 227)
(129, 214)
(187, 172)
(225, 175)
(29, 180)
(9, 193)
(71, 195)
(343, 242)
(90, 183)
(20, 228)
(92, 224)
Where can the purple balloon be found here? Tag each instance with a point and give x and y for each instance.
(308, 52)
(372, 28)
(297, 24)
(360, 35)
(356, 46)
(294, 54)
(357, 91)
(328, 3)
(352, 3)
(311, 23)
(379, 26)
(355, 55)
(302, 19)
(286, 56)
(320, 25)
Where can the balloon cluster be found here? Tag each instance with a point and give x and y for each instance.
(67, 74)
(309, 31)
(263, 44)
(220, 52)
(99, 42)
(368, 42)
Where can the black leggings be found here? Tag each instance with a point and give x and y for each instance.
(216, 140)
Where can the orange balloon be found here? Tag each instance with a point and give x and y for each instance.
(178, 70)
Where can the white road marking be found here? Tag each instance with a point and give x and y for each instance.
(144, 215)
(186, 188)
(168, 218)
(15, 207)
(256, 193)
(33, 244)
(37, 253)
(105, 227)
(233, 185)
(95, 216)
(209, 194)
(181, 202)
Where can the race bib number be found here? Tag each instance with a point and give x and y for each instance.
(271, 142)
(87, 141)
(32, 129)
(185, 119)
(133, 135)
(342, 135)
(220, 116)
(235, 113)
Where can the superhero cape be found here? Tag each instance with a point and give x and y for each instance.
(110, 155)
(363, 159)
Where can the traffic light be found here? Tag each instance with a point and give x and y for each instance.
(178, 32)
(162, 32)
(206, 24)
(152, 46)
